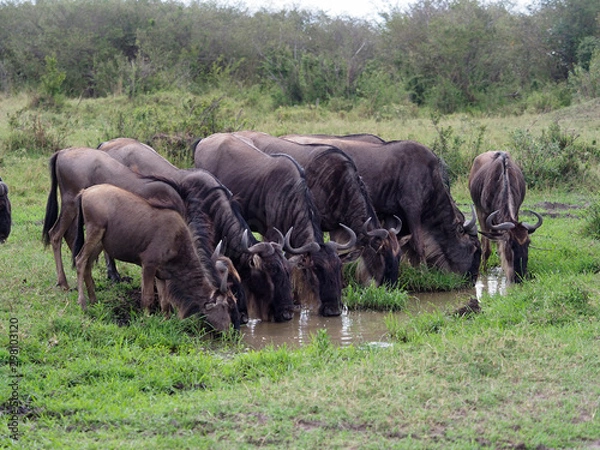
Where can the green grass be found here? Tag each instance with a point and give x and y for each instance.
(522, 373)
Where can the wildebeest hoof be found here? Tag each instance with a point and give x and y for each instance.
(331, 311)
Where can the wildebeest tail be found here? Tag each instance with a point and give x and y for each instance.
(79, 235)
(52, 203)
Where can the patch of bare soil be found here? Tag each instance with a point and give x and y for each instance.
(556, 209)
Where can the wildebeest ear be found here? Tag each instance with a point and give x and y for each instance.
(404, 240)
(301, 261)
(350, 256)
(255, 261)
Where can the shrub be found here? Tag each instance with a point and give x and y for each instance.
(551, 159)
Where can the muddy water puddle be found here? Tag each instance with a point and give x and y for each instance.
(361, 327)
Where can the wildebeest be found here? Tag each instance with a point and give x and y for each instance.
(341, 197)
(405, 178)
(74, 169)
(273, 194)
(264, 271)
(131, 229)
(5, 212)
(497, 187)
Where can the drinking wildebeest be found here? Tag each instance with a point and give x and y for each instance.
(273, 194)
(497, 187)
(5, 212)
(132, 229)
(341, 197)
(264, 271)
(405, 178)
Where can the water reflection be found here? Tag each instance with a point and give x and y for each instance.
(361, 327)
(491, 283)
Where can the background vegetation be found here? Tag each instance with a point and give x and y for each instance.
(448, 55)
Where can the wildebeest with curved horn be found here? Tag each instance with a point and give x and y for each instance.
(273, 194)
(5, 212)
(405, 178)
(497, 187)
(341, 197)
(264, 271)
(131, 229)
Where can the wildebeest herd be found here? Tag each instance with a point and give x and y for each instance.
(191, 230)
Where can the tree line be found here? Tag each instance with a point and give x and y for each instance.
(449, 55)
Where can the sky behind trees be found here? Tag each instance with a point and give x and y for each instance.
(365, 9)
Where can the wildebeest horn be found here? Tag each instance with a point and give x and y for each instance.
(396, 230)
(281, 239)
(500, 226)
(219, 250)
(531, 228)
(470, 226)
(3, 188)
(378, 232)
(351, 243)
(310, 247)
(260, 247)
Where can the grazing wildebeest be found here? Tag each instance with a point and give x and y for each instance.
(497, 187)
(74, 169)
(405, 178)
(5, 212)
(273, 194)
(131, 229)
(341, 197)
(264, 271)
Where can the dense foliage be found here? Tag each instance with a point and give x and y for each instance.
(451, 55)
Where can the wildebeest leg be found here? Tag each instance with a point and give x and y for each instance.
(112, 272)
(84, 262)
(148, 275)
(486, 246)
(56, 234)
(165, 304)
(486, 251)
(416, 253)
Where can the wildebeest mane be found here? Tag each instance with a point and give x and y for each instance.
(306, 219)
(352, 202)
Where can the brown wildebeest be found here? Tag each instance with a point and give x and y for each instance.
(497, 187)
(74, 169)
(273, 194)
(5, 212)
(131, 229)
(341, 197)
(264, 271)
(405, 178)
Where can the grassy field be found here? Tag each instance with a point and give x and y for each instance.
(522, 374)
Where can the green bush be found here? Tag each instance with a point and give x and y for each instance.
(592, 219)
(551, 159)
(586, 83)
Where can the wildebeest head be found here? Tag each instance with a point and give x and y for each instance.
(267, 272)
(5, 212)
(320, 266)
(380, 258)
(513, 244)
(450, 241)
